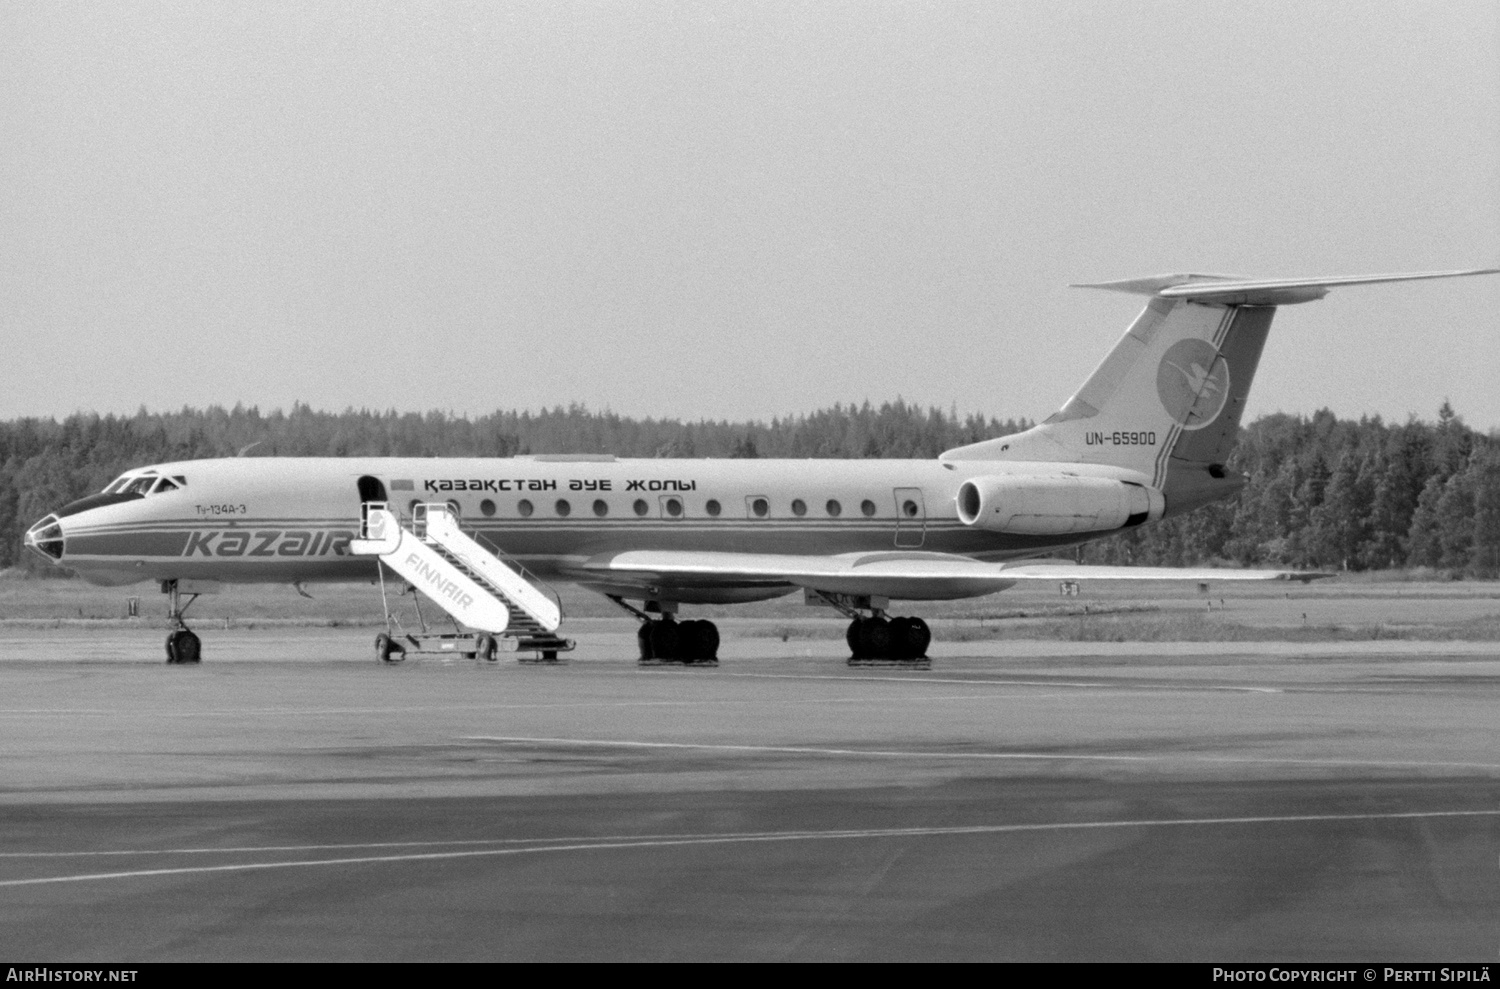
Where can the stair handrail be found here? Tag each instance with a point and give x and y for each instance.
(419, 513)
(419, 519)
(513, 563)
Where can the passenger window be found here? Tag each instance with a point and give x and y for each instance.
(909, 508)
(524, 508)
(759, 506)
(834, 508)
(487, 508)
(671, 507)
(563, 508)
(799, 507)
(868, 507)
(712, 508)
(601, 507)
(640, 507)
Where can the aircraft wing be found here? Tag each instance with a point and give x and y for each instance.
(909, 575)
(1034, 570)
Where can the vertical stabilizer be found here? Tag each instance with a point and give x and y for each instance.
(1173, 387)
(1167, 400)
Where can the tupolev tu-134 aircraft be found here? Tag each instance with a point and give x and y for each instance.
(1145, 438)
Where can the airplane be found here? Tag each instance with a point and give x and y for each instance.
(1147, 437)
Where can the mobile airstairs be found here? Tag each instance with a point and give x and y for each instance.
(467, 579)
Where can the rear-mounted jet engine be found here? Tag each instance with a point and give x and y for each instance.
(1049, 506)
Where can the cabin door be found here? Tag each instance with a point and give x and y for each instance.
(911, 517)
(371, 489)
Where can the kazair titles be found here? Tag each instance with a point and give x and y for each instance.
(268, 542)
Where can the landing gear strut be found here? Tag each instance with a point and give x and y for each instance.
(183, 645)
(666, 640)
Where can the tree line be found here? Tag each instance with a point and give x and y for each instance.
(1323, 492)
(1342, 494)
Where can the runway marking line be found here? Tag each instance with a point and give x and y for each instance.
(430, 708)
(670, 841)
(1075, 685)
(1007, 756)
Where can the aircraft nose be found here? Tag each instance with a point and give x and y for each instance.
(46, 539)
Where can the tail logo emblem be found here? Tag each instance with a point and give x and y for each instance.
(1193, 383)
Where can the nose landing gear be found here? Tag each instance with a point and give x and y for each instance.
(183, 645)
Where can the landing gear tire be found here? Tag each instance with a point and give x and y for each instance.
(855, 637)
(387, 650)
(487, 649)
(666, 640)
(643, 639)
(183, 647)
(918, 638)
(869, 638)
(708, 640)
(699, 641)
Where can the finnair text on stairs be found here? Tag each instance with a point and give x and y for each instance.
(440, 584)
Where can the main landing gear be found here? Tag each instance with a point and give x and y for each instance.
(878, 640)
(665, 640)
(183, 645)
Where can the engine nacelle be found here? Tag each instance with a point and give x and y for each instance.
(1056, 505)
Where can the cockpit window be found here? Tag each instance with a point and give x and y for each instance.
(144, 484)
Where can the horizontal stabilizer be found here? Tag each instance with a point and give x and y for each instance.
(1237, 291)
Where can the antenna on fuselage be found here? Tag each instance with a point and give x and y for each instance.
(248, 447)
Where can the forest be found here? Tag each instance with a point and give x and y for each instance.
(1323, 492)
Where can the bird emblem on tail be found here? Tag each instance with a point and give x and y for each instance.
(1192, 382)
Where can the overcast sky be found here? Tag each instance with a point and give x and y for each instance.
(730, 210)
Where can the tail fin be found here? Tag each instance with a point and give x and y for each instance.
(1166, 402)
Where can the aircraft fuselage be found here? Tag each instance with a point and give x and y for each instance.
(291, 519)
